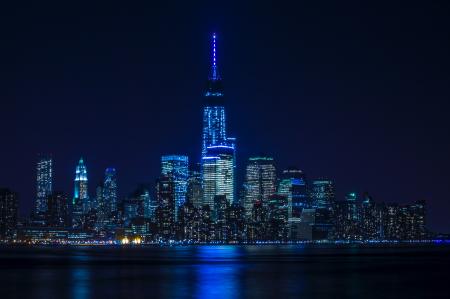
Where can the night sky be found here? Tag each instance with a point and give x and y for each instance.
(355, 92)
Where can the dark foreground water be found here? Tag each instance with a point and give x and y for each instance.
(225, 272)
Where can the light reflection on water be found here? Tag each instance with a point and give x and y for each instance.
(80, 275)
(218, 272)
(223, 272)
(80, 284)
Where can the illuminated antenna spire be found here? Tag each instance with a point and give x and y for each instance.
(214, 75)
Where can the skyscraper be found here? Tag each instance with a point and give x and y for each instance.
(110, 190)
(218, 150)
(80, 203)
(102, 209)
(44, 182)
(370, 218)
(322, 193)
(260, 181)
(214, 126)
(57, 212)
(81, 185)
(177, 166)
(218, 174)
(8, 213)
(150, 205)
(293, 186)
(165, 213)
(416, 221)
(348, 218)
(220, 216)
(194, 189)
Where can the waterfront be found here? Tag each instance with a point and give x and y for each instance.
(225, 271)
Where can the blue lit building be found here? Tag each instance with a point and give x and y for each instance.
(214, 125)
(150, 205)
(293, 186)
(177, 166)
(81, 184)
(44, 182)
(80, 203)
(218, 150)
(218, 174)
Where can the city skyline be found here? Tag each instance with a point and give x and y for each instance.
(381, 177)
(269, 208)
(225, 149)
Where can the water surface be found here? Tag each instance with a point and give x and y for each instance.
(225, 272)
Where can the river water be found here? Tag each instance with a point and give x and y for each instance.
(282, 271)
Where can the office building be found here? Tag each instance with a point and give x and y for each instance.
(218, 174)
(8, 213)
(177, 166)
(260, 181)
(44, 182)
(293, 186)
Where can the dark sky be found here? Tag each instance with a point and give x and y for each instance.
(357, 92)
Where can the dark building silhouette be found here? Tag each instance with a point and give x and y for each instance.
(190, 222)
(277, 229)
(221, 209)
(236, 223)
(370, 218)
(194, 192)
(165, 212)
(57, 210)
(347, 218)
(8, 213)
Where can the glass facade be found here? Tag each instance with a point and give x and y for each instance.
(110, 190)
(177, 166)
(150, 205)
(44, 182)
(218, 174)
(194, 189)
(322, 193)
(213, 127)
(218, 151)
(260, 181)
(293, 186)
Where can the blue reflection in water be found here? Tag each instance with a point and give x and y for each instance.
(218, 272)
(80, 277)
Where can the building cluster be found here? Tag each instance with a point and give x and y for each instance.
(199, 204)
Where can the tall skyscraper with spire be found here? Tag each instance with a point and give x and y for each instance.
(80, 204)
(214, 125)
(218, 150)
(81, 181)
